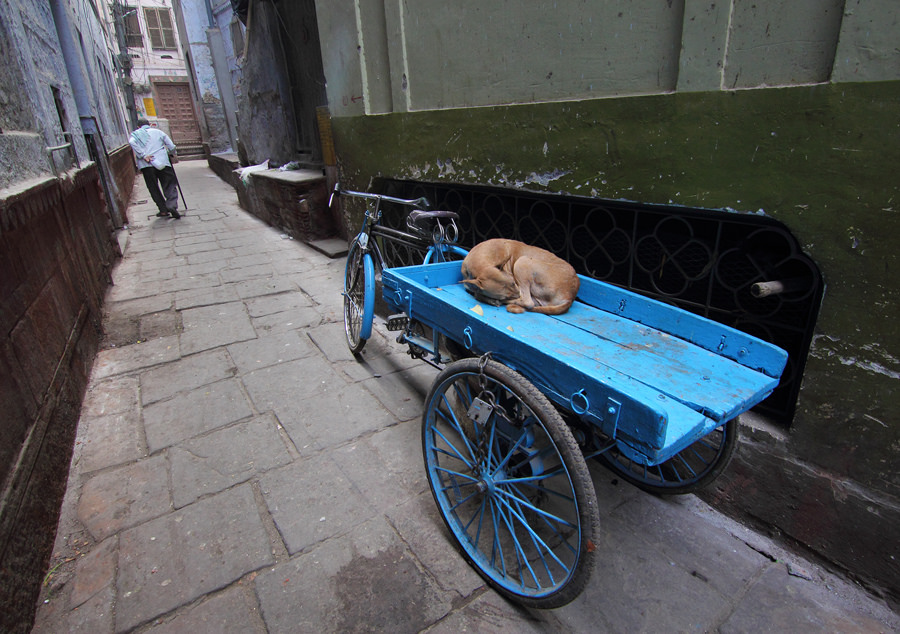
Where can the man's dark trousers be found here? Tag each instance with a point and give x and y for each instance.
(164, 179)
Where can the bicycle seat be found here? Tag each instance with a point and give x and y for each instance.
(423, 222)
(423, 218)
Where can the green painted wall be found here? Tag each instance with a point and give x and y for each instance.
(822, 159)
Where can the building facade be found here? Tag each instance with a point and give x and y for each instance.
(160, 82)
(210, 32)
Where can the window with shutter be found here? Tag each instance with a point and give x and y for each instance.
(133, 37)
(160, 29)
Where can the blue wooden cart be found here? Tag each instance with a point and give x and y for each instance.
(651, 390)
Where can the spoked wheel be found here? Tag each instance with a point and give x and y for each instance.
(359, 298)
(689, 470)
(510, 482)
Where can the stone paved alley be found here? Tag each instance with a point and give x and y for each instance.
(237, 470)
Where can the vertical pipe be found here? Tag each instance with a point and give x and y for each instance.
(73, 57)
(77, 72)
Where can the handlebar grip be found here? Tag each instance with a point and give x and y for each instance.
(336, 191)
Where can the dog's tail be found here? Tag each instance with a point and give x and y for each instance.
(554, 309)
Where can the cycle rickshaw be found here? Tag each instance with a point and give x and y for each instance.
(523, 400)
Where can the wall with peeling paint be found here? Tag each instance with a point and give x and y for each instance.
(28, 115)
(653, 104)
(405, 56)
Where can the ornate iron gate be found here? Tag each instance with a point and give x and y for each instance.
(743, 270)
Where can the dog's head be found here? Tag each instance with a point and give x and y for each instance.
(493, 287)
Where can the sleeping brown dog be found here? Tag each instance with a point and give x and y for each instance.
(523, 277)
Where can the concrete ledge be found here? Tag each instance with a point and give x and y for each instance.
(332, 247)
(814, 509)
(294, 201)
(224, 165)
(298, 177)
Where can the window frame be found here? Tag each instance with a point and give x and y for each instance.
(162, 37)
(134, 37)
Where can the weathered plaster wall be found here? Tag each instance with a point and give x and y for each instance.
(29, 122)
(90, 68)
(425, 55)
(208, 67)
(265, 114)
(867, 50)
(819, 158)
(764, 35)
(537, 51)
(404, 56)
(28, 117)
(228, 25)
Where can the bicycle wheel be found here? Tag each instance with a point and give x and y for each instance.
(510, 483)
(359, 298)
(687, 471)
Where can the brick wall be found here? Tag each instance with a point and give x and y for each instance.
(124, 171)
(56, 251)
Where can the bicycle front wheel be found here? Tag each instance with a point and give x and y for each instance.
(359, 297)
(510, 483)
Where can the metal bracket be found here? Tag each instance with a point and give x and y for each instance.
(612, 411)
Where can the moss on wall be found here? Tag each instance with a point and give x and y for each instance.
(822, 159)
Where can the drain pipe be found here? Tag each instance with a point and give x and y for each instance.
(73, 56)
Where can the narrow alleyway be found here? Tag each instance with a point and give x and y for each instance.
(237, 470)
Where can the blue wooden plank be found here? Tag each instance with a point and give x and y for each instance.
(707, 383)
(653, 426)
(548, 368)
(695, 376)
(656, 381)
(723, 340)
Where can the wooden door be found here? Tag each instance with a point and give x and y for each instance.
(176, 105)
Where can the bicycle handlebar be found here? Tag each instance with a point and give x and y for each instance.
(420, 203)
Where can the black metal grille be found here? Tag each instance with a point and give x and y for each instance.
(705, 261)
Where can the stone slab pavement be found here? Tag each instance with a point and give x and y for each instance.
(237, 470)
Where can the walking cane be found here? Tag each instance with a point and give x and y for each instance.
(178, 185)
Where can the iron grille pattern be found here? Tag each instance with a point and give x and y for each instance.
(701, 260)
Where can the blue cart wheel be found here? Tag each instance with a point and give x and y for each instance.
(687, 471)
(510, 483)
(359, 297)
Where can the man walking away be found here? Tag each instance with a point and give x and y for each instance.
(151, 148)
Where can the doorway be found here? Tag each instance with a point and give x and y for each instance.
(176, 105)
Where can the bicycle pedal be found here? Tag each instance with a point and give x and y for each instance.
(397, 322)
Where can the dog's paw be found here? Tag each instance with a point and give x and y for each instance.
(514, 308)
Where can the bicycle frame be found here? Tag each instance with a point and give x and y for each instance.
(438, 247)
(434, 247)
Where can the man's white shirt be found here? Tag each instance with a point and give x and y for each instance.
(151, 147)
